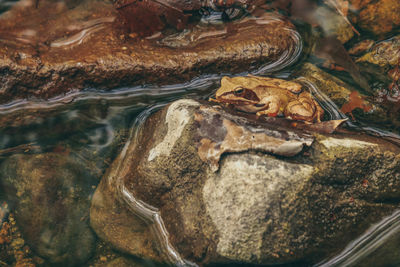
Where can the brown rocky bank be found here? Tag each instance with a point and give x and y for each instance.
(53, 49)
(301, 198)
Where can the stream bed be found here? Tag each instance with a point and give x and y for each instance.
(77, 90)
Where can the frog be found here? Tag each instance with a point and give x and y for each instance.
(270, 97)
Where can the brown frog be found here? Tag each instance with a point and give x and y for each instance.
(269, 96)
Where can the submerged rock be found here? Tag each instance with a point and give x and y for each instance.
(333, 23)
(50, 193)
(258, 207)
(344, 96)
(69, 49)
(385, 54)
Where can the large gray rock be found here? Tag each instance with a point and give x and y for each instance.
(256, 204)
(50, 193)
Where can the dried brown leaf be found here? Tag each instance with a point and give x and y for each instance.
(327, 127)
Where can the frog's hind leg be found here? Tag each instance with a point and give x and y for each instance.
(319, 111)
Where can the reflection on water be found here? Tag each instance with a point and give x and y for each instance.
(6, 5)
(85, 31)
(91, 115)
(358, 252)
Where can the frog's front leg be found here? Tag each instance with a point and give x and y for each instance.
(269, 106)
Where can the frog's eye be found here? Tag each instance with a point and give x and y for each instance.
(239, 91)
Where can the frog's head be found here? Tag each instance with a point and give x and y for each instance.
(238, 91)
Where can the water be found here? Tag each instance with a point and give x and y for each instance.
(95, 123)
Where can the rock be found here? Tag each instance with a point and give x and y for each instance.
(378, 17)
(361, 47)
(84, 47)
(162, 200)
(50, 193)
(376, 247)
(334, 88)
(333, 23)
(343, 94)
(123, 262)
(385, 54)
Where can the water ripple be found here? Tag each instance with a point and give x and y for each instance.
(363, 246)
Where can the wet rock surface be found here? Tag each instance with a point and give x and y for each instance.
(385, 54)
(378, 17)
(257, 207)
(333, 23)
(84, 47)
(50, 194)
(345, 97)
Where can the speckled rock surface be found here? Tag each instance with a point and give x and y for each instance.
(257, 207)
(84, 47)
(50, 194)
(379, 17)
(385, 54)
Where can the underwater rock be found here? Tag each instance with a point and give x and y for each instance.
(334, 88)
(344, 96)
(164, 199)
(50, 193)
(379, 17)
(122, 262)
(333, 23)
(385, 54)
(83, 47)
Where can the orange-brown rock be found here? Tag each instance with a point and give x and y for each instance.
(379, 17)
(53, 49)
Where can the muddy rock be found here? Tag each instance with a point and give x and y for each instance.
(50, 194)
(257, 205)
(72, 49)
(379, 17)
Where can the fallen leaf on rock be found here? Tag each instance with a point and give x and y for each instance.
(355, 101)
(327, 127)
(221, 132)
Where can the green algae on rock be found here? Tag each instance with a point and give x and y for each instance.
(257, 208)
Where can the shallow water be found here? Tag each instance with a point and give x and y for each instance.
(95, 124)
